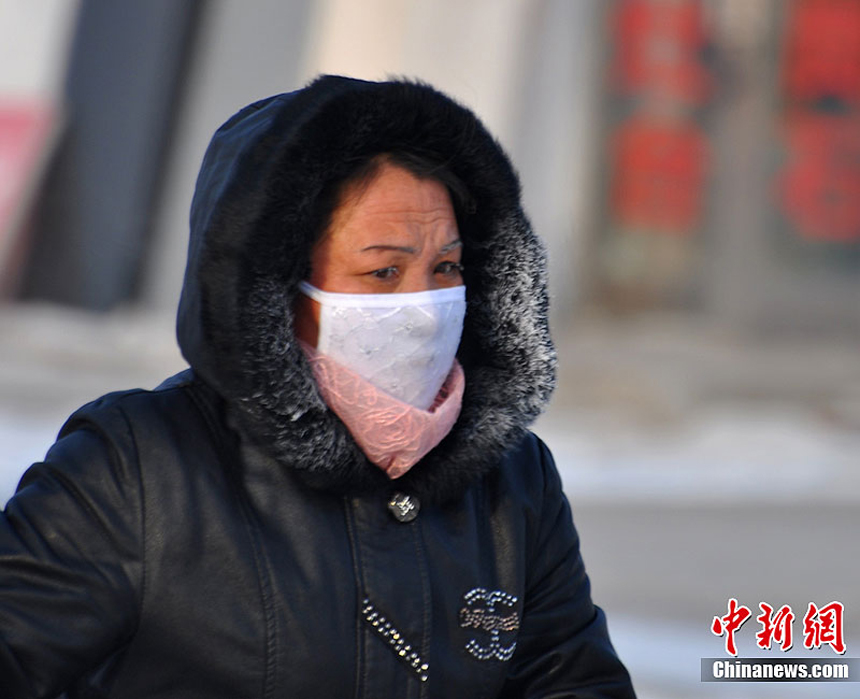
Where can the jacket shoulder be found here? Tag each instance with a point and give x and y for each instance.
(529, 469)
(179, 398)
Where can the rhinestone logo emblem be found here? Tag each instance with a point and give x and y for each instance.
(495, 621)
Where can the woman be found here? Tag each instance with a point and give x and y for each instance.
(340, 497)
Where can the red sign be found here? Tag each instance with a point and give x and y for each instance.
(659, 175)
(820, 186)
(823, 50)
(658, 49)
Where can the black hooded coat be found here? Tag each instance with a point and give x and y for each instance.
(222, 536)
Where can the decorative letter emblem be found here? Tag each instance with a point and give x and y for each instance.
(491, 614)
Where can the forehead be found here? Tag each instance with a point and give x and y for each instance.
(393, 203)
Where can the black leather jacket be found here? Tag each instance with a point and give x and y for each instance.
(164, 558)
(222, 535)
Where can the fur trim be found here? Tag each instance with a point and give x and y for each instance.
(254, 220)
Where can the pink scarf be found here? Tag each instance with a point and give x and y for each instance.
(393, 435)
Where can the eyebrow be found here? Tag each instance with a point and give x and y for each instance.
(410, 250)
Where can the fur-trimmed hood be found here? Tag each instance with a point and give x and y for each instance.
(254, 219)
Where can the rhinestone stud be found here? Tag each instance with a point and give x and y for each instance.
(404, 507)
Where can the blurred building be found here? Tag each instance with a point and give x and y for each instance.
(731, 162)
(692, 155)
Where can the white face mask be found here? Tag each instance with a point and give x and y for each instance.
(404, 344)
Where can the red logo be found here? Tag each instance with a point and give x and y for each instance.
(824, 627)
(730, 623)
(774, 627)
(821, 626)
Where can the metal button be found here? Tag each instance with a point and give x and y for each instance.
(404, 507)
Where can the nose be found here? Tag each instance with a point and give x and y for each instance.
(419, 322)
(419, 281)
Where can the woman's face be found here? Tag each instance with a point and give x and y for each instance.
(396, 234)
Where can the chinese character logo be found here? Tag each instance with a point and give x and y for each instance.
(821, 626)
(824, 626)
(774, 627)
(730, 623)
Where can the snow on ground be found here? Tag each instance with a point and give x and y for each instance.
(728, 454)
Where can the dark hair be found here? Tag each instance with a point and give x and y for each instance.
(422, 166)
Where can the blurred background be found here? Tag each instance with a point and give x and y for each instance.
(694, 166)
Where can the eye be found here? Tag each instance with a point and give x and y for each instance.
(449, 269)
(385, 273)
